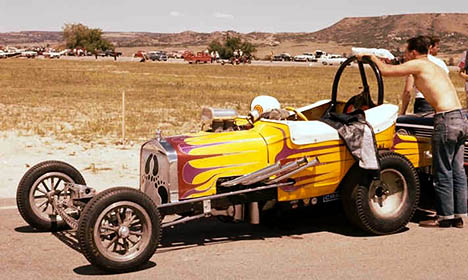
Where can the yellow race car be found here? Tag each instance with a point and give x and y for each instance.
(235, 168)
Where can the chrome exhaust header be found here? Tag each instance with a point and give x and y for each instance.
(262, 173)
(296, 170)
(282, 172)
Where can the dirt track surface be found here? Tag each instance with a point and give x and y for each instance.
(307, 244)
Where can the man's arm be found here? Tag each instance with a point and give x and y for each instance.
(405, 69)
(406, 95)
(463, 75)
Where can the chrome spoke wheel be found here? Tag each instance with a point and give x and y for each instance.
(387, 196)
(49, 186)
(122, 231)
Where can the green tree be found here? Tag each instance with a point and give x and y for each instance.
(231, 44)
(81, 36)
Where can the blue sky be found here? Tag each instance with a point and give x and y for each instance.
(205, 15)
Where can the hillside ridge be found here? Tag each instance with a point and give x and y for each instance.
(389, 31)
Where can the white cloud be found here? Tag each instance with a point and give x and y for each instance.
(223, 15)
(175, 14)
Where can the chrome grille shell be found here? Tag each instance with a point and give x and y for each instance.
(158, 169)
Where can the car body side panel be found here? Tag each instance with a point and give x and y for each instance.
(335, 160)
(203, 158)
(334, 157)
(416, 149)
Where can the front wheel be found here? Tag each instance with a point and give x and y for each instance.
(41, 184)
(119, 229)
(385, 205)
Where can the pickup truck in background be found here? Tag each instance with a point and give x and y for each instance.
(200, 57)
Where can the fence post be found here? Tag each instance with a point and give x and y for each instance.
(123, 116)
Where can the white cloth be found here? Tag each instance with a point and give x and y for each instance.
(439, 62)
(383, 53)
(368, 158)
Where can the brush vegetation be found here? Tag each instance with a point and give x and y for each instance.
(80, 101)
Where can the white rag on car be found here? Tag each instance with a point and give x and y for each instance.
(383, 53)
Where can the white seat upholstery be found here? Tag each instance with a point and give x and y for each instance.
(311, 132)
(314, 105)
(380, 118)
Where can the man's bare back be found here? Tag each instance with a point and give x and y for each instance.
(435, 85)
(429, 78)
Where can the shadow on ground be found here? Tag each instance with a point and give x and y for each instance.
(291, 223)
(28, 229)
(91, 270)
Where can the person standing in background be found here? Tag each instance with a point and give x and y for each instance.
(420, 104)
(463, 72)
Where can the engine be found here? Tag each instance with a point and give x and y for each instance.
(218, 120)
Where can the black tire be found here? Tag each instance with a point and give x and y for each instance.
(32, 189)
(386, 207)
(142, 232)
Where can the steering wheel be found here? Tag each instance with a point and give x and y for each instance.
(362, 100)
(299, 114)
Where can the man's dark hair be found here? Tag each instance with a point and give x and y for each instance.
(466, 61)
(435, 40)
(420, 44)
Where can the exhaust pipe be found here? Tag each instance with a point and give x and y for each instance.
(287, 170)
(294, 171)
(272, 169)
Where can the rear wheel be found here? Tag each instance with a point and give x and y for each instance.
(386, 205)
(119, 229)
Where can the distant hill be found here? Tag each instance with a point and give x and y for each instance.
(384, 31)
(393, 31)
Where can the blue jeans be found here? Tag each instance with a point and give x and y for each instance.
(422, 106)
(450, 185)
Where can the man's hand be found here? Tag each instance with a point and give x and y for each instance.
(463, 74)
(359, 56)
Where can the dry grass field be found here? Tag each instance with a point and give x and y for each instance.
(80, 101)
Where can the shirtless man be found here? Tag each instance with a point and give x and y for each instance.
(420, 104)
(449, 130)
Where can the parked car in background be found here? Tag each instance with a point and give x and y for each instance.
(2, 54)
(176, 54)
(197, 58)
(101, 53)
(283, 57)
(305, 57)
(332, 59)
(235, 60)
(112, 53)
(141, 54)
(157, 56)
(54, 54)
(320, 53)
(28, 54)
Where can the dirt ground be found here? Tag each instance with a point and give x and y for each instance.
(306, 244)
(102, 166)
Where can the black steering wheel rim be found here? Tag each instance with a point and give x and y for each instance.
(365, 60)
